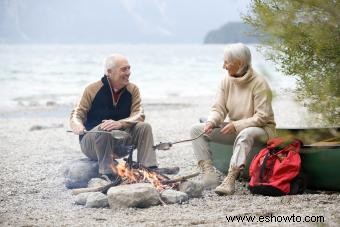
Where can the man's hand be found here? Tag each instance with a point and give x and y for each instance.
(228, 129)
(208, 127)
(109, 125)
(78, 130)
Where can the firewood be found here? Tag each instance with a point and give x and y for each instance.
(105, 188)
(179, 179)
(95, 189)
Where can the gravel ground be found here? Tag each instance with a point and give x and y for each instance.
(32, 192)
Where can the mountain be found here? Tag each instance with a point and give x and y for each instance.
(232, 32)
(114, 21)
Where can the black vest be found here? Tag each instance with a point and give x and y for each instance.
(103, 107)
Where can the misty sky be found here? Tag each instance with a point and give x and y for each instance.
(115, 21)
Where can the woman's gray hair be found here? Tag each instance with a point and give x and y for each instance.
(238, 51)
(110, 62)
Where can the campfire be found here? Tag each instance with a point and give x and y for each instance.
(139, 186)
(135, 173)
(131, 175)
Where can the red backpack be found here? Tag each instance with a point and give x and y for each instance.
(275, 170)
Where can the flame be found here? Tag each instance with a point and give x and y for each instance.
(141, 175)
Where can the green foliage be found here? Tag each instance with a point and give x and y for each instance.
(304, 41)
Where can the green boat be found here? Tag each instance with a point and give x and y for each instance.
(320, 155)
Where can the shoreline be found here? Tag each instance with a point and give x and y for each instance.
(288, 113)
(62, 110)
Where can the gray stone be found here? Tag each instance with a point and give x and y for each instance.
(96, 182)
(96, 200)
(79, 172)
(191, 188)
(139, 195)
(171, 196)
(81, 198)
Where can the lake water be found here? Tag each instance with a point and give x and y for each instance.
(34, 75)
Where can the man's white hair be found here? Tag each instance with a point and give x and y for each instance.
(238, 51)
(110, 62)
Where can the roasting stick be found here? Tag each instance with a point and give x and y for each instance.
(187, 140)
(105, 132)
(168, 145)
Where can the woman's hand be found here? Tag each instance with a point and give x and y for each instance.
(109, 125)
(228, 129)
(208, 127)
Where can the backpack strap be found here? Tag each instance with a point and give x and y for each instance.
(263, 165)
(271, 152)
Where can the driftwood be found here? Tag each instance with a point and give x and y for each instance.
(105, 188)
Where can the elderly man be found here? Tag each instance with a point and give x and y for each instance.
(244, 98)
(113, 104)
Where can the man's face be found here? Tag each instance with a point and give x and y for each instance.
(121, 73)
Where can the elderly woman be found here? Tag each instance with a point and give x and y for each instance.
(244, 101)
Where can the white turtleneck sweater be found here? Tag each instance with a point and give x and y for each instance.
(245, 101)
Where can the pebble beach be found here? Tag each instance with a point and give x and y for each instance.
(35, 150)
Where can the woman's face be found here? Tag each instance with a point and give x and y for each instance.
(232, 66)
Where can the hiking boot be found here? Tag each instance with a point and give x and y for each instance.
(210, 178)
(228, 185)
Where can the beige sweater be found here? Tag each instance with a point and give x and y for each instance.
(245, 101)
